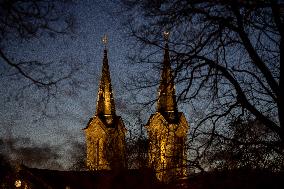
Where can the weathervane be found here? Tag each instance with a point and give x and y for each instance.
(166, 35)
(105, 40)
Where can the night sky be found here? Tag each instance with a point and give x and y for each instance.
(20, 119)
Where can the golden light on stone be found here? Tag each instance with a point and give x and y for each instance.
(163, 152)
(18, 183)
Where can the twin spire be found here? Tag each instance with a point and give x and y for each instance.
(166, 99)
(105, 101)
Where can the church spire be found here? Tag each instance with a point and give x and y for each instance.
(167, 99)
(105, 101)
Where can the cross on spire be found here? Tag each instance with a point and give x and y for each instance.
(105, 40)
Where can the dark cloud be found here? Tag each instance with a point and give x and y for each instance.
(78, 155)
(23, 150)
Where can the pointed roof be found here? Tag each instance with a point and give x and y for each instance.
(105, 101)
(166, 95)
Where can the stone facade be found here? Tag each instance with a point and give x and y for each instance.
(166, 154)
(105, 145)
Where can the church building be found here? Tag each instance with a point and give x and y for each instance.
(167, 129)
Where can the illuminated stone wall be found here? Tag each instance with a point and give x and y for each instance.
(105, 146)
(166, 154)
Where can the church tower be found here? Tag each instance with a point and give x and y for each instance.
(167, 129)
(105, 132)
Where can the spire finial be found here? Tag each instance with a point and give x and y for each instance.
(166, 35)
(105, 40)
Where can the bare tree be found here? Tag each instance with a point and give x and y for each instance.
(226, 57)
(27, 22)
(136, 152)
(247, 148)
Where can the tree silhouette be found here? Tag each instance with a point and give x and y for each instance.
(226, 57)
(27, 22)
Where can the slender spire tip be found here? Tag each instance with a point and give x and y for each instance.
(105, 40)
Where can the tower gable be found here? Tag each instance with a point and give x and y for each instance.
(96, 124)
(157, 123)
(105, 145)
(96, 138)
